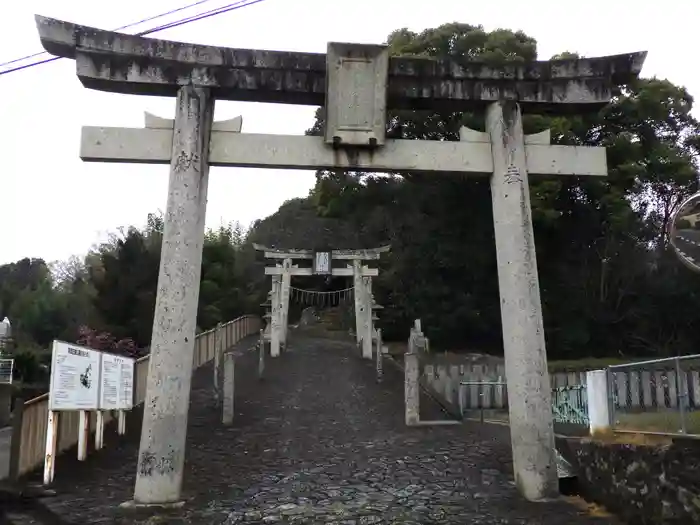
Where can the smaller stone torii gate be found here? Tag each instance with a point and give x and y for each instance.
(322, 264)
(357, 84)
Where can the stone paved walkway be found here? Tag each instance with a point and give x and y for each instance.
(318, 442)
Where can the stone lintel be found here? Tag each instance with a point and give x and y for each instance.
(308, 272)
(122, 63)
(363, 254)
(153, 146)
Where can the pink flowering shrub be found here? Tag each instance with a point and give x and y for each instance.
(106, 342)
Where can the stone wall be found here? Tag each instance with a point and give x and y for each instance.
(643, 484)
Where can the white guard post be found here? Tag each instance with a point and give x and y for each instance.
(83, 434)
(379, 356)
(218, 350)
(229, 388)
(121, 422)
(99, 429)
(597, 391)
(51, 447)
(261, 354)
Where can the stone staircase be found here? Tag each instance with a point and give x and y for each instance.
(329, 323)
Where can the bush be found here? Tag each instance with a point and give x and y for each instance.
(31, 366)
(106, 342)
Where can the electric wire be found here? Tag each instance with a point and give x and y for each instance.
(193, 18)
(127, 26)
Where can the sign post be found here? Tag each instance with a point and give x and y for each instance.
(86, 380)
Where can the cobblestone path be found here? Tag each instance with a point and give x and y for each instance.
(318, 441)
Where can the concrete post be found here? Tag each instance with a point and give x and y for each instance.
(276, 319)
(218, 350)
(379, 357)
(285, 285)
(411, 388)
(229, 389)
(162, 449)
(598, 401)
(529, 394)
(261, 355)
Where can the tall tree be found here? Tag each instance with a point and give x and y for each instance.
(593, 236)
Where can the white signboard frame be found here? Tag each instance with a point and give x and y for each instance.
(86, 380)
(75, 378)
(116, 382)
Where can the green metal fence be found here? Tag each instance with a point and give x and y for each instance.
(570, 405)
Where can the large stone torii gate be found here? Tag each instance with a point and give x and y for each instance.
(357, 84)
(322, 265)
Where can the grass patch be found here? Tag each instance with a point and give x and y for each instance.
(668, 421)
(590, 363)
(592, 509)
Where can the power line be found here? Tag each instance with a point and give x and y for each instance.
(117, 29)
(19, 68)
(201, 16)
(193, 18)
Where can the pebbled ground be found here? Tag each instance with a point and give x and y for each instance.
(318, 441)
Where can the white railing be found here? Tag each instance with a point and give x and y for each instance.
(6, 368)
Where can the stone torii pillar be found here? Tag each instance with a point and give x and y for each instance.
(285, 289)
(161, 461)
(354, 139)
(363, 315)
(277, 331)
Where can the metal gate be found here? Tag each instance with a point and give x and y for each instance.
(570, 405)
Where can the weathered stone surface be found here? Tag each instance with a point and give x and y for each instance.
(319, 441)
(644, 484)
(131, 64)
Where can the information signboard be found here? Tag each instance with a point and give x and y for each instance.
(74, 383)
(116, 383)
(87, 379)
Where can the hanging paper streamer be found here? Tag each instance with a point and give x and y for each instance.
(319, 298)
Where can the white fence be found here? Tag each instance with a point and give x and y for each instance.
(6, 369)
(637, 387)
(30, 422)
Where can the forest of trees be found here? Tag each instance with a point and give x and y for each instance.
(610, 284)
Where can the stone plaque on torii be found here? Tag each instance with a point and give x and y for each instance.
(322, 264)
(357, 84)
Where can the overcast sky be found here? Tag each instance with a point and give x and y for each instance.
(53, 205)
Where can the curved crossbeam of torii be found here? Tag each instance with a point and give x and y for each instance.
(281, 285)
(354, 139)
(362, 253)
(121, 63)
